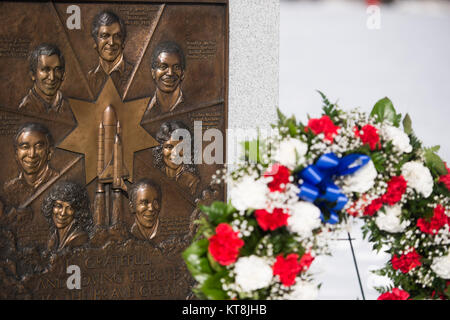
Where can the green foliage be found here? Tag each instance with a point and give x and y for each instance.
(384, 110)
(284, 242)
(281, 117)
(251, 242)
(375, 234)
(291, 123)
(205, 228)
(415, 143)
(218, 212)
(330, 109)
(212, 287)
(447, 292)
(379, 160)
(440, 188)
(213, 263)
(434, 162)
(196, 260)
(407, 124)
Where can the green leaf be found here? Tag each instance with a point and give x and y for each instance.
(421, 296)
(213, 263)
(433, 161)
(196, 260)
(281, 116)
(407, 124)
(212, 287)
(218, 212)
(434, 148)
(384, 110)
(293, 131)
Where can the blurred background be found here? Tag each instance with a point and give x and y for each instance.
(358, 52)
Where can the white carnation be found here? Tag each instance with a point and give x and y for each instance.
(252, 273)
(400, 139)
(441, 266)
(390, 220)
(291, 152)
(418, 177)
(362, 180)
(305, 217)
(303, 290)
(249, 193)
(376, 281)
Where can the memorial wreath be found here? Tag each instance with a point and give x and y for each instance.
(305, 183)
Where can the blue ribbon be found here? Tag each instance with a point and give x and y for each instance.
(318, 182)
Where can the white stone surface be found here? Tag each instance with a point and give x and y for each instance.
(253, 66)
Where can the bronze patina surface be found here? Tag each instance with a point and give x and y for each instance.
(90, 94)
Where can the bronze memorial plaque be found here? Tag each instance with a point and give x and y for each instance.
(110, 114)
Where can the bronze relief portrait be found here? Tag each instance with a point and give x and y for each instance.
(165, 155)
(167, 67)
(109, 33)
(145, 205)
(67, 211)
(33, 145)
(47, 69)
(96, 92)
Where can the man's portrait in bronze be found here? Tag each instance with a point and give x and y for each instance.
(109, 33)
(185, 174)
(91, 173)
(145, 204)
(33, 144)
(47, 68)
(66, 209)
(168, 65)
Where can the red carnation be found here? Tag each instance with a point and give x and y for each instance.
(406, 262)
(436, 222)
(445, 179)
(396, 188)
(323, 125)
(280, 175)
(225, 244)
(287, 268)
(373, 207)
(368, 136)
(305, 261)
(271, 221)
(395, 294)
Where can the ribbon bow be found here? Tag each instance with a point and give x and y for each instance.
(318, 181)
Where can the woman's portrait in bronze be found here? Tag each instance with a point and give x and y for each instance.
(185, 174)
(67, 211)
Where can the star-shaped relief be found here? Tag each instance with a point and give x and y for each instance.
(84, 138)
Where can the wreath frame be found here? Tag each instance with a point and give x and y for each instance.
(306, 183)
